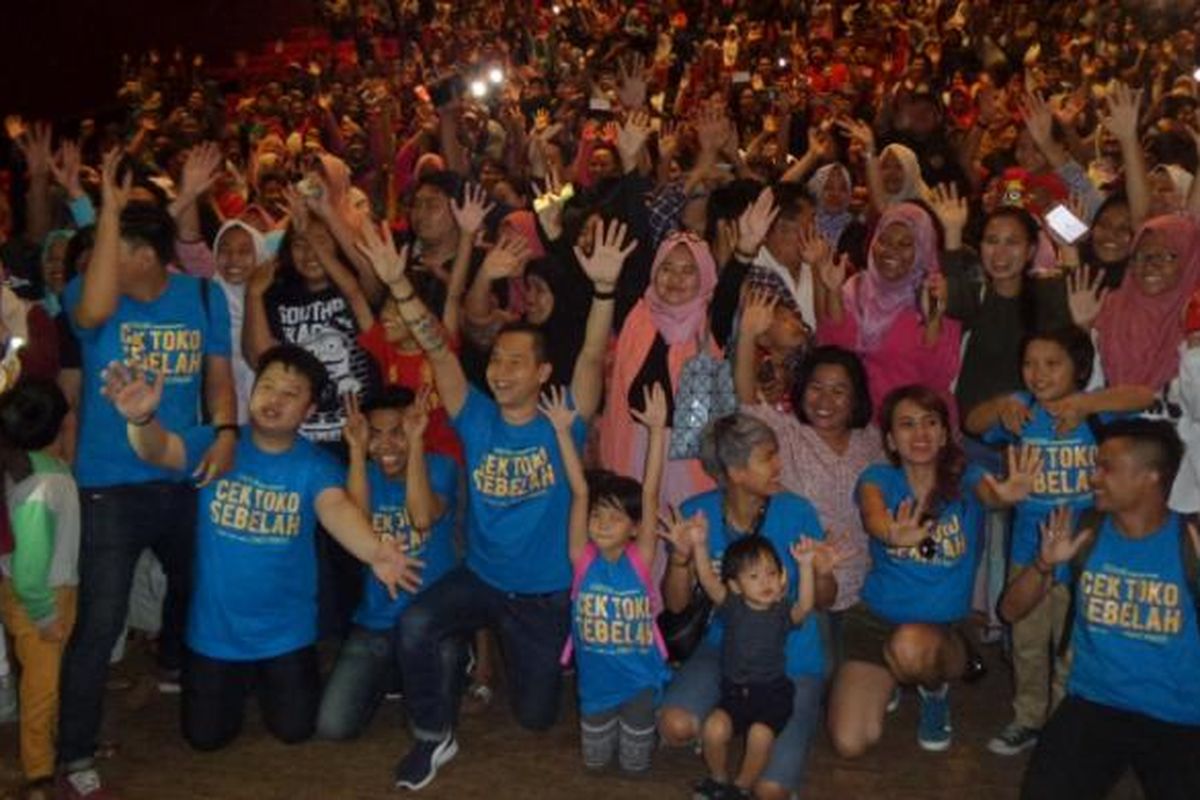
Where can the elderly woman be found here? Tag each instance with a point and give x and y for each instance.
(886, 314)
(667, 327)
(742, 455)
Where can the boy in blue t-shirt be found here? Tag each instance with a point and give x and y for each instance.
(1132, 700)
(1055, 418)
(253, 616)
(410, 499)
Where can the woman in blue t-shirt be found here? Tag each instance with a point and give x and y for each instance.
(924, 513)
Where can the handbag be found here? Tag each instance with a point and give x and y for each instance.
(705, 393)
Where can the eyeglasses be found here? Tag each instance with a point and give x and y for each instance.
(1161, 258)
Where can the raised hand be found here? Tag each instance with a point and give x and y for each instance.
(201, 168)
(712, 128)
(755, 221)
(676, 529)
(355, 431)
(1085, 296)
(631, 81)
(758, 312)
(34, 145)
(632, 136)
(507, 258)
(65, 168)
(132, 390)
(473, 210)
(548, 203)
(1039, 119)
(263, 276)
(14, 127)
(821, 144)
(654, 408)
(905, 527)
(553, 406)
(380, 249)
(1024, 465)
(804, 551)
(416, 417)
(1069, 412)
(1058, 546)
(114, 196)
(858, 131)
(603, 266)
(298, 210)
(395, 569)
(1121, 114)
(1014, 414)
(951, 210)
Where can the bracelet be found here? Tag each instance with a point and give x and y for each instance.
(143, 422)
(609, 295)
(230, 427)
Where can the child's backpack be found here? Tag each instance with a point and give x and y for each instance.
(1092, 520)
(640, 568)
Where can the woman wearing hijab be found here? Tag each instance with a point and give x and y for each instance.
(886, 314)
(666, 327)
(830, 187)
(900, 176)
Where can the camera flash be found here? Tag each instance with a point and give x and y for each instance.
(496, 75)
(478, 88)
(783, 62)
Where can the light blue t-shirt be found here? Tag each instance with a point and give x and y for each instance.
(170, 334)
(789, 517)
(613, 627)
(1135, 641)
(389, 517)
(254, 592)
(518, 500)
(902, 586)
(1065, 477)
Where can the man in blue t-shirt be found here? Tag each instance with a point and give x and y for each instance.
(128, 307)
(1133, 698)
(517, 575)
(253, 616)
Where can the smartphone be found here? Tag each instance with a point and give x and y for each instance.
(741, 77)
(1063, 222)
(599, 104)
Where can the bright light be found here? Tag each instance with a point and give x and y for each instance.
(782, 63)
(496, 75)
(16, 343)
(478, 89)
(556, 8)
(1196, 74)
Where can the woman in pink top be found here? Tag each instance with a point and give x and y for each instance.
(885, 314)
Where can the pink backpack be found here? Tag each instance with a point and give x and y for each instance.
(590, 554)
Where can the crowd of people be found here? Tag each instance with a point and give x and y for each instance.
(758, 361)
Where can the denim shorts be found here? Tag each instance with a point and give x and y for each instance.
(696, 689)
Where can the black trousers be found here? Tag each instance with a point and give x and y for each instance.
(1086, 747)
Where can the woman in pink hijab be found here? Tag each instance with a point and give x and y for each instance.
(666, 327)
(887, 314)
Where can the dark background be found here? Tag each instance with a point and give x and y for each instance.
(61, 58)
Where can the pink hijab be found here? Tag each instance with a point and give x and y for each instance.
(680, 323)
(525, 223)
(1140, 335)
(876, 302)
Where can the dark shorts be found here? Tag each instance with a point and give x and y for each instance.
(865, 634)
(768, 704)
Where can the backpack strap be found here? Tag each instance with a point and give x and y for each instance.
(1090, 519)
(642, 570)
(590, 552)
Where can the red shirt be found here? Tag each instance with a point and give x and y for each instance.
(413, 371)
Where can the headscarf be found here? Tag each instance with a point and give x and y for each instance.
(1181, 179)
(261, 252)
(830, 224)
(1140, 335)
(876, 302)
(525, 223)
(681, 323)
(50, 298)
(914, 187)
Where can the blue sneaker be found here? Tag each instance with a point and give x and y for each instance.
(933, 731)
(417, 769)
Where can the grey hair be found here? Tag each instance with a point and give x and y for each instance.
(726, 443)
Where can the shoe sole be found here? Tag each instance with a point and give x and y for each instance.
(446, 751)
(1009, 750)
(934, 747)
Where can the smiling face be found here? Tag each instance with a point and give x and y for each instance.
(54, 265)
(430, 215)
(281, 400)
(677, 279)
(892, 172)
(916, 434)
(1120, 478)
(236, 256)
(1047, 370)
(1165, 197)
(539, 300)
(1005, 248)
(387, 445)
(515, 374)
(1156, 267)
(829, 398)
(835, 194)
(1112, 234)
(894, 250)
(609, 526)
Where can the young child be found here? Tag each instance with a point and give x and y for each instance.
(619, 652)
(756, 694)
(1056, 417)
(37, 595)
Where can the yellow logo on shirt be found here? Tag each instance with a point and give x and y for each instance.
(248, 507)
(175, 350)
(395, 524)
(614, 620)
(1138, 605)
(1066, 468)
(508, 475)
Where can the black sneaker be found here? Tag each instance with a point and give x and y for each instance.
(709, 789)
(419, 767)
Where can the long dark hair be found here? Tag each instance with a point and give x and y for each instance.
(1027, 298)
(860, 408)
(951, 461)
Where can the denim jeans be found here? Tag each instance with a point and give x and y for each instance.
(214, 691)
(532, 630)
(119, 522)
(366, 668)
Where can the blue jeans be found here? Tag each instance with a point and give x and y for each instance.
(119, 522)
(366, 668)
(532, 630)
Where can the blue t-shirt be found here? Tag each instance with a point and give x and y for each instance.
(1065, 477)
(1135, 641)
(613, 627)
(902, 586)
(254, 591)
(389, 517)
(170, 334)
(518, 500)
(789, 517)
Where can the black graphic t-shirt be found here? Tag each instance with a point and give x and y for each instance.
(322, 323)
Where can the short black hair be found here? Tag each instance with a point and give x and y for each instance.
(744, 553)
(296, 358)
(394, 398)
(521, 326)
(150, 224)
(31, 414)
(792, 200)
(860, 409)
(1157, 442)
(1076, 342)
(445, 181)
(610, 489)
